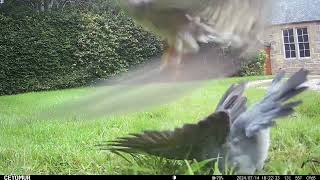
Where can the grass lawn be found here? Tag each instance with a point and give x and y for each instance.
(30, 145)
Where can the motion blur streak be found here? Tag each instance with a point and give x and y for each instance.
(146, 86)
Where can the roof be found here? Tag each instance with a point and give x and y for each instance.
(295, 11)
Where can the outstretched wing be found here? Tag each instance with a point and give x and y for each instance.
(235, 20)
(273, 106)
(233, 101)
(192, 141)
(200, 141)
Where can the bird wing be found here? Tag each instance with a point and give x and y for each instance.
(233, 101)
(199, 7)
(200, 141)
(229, 19)
(189, 142)
(273, 106)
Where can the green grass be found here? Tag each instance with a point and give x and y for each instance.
(30, 145)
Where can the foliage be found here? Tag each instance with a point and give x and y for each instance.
(255, 66)
(70, 48)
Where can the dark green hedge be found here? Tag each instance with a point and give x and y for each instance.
(68, 49)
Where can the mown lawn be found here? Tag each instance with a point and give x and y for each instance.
(30, 145)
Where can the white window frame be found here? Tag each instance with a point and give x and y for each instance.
(284, 45)
(296, 43)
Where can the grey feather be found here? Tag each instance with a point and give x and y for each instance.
(240, 136)
(182, 143)
(233, 101)
(249, 138)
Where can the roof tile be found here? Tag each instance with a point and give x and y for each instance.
(293, 11)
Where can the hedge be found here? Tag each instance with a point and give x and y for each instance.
(48, 51)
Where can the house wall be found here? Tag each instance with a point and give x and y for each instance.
(277, 56)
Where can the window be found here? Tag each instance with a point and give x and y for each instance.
(289, 44)
(296, 43)
(303, 42)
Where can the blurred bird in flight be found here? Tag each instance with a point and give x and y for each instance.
(195, 32)
(186, 23)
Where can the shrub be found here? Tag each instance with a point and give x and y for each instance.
(254, 66)
(63, 49)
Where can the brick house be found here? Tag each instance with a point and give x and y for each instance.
(293, 39)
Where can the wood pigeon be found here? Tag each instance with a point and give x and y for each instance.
(240, 136)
